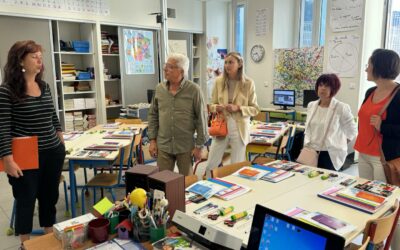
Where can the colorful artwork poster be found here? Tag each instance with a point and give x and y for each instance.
(139, 51)
(297, 69)
(215, 62)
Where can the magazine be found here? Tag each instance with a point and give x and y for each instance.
(205, 188)
(377, 187)
(231, 191)
(251, 173)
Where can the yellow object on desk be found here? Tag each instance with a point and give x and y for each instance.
(139, 197)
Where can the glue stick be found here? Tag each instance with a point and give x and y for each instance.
(226, 210)
(239, 215)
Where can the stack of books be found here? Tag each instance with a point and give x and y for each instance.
(274, 174)
(68, 72)
(103, 147)
(69, 122)
(124, 134)
(78, 121)
(368, 197)
(89, 121)
(251, 172)
(90, 103)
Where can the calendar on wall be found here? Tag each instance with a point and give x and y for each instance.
(95, 7)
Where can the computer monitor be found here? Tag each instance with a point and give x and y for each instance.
(284, 97)
(309, 95)
(274, 231)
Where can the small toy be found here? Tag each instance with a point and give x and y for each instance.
(239, 215)
(213, 216)
(314, 173)
(138, 197)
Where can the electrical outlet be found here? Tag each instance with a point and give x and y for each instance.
(352, 85)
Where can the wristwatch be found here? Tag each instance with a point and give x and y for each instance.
(199, 146)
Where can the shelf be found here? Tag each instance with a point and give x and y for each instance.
(116, 55)
(69, 110)
(114, 106)
(80, 93)
(90, 80)
(72, 53)
(112, 80)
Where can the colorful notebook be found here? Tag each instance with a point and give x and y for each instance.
(25, 152)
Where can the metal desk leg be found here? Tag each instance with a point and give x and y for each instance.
(72, 185)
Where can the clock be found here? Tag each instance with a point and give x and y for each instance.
(257, 53)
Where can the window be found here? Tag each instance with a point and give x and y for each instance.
(239, 32)
(393, 26)
(312, 23)
(306, 23)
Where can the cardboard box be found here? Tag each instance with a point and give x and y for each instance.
(58, 228)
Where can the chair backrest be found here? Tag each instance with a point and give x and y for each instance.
(228, 169)
(129, 120)
(380, 228)
(365, 244)
(291, 138)
(190, 179)
(259, 159)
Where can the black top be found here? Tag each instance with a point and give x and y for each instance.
(390, 128)
(32, 116)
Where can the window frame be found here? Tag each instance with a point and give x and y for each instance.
(316, 23)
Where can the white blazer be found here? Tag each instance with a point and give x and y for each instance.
(343, 128)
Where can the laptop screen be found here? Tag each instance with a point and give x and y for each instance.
(274, 231)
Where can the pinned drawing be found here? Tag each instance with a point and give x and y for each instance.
(346, 15)
(138, 51)
(297, 69)
(343, 55)
(177, 46)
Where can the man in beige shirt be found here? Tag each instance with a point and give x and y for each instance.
(176, 113)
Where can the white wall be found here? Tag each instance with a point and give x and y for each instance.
(286, 14)
(262, 72)
(125, 12)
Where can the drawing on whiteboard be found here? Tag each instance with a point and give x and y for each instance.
(343, 55)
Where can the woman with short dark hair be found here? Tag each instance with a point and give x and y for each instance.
(26, 109)
(383, 67)
(329, 125)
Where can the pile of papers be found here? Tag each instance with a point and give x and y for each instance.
(218, 188)
(367, 197)
(323, 221)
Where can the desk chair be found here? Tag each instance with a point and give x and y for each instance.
(109, 180)
(357, 247)
(190, 179)
(282, 150)
(382, 228)
(259, 159)
(10, 230)
(228, 169)
(129, 120)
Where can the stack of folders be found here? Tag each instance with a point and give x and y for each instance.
(124, 134)
(324, 221)
(69, 121)
(103, 147)
(368, 197)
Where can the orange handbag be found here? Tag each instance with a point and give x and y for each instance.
(218, 126)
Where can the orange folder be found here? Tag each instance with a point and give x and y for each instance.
(25, 152)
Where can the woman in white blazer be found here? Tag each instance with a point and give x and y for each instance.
(331, 117)
(233, 95)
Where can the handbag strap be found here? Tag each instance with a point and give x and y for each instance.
(395, 90)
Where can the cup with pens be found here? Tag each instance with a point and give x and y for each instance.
(159, 215)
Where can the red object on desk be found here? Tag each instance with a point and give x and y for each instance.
(25, 152)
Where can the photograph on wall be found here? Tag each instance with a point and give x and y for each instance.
(297, 69)
(138, 51)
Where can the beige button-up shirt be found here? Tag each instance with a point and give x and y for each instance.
(174, 119)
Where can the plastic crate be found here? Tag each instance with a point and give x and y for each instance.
(83, 76)
(81, 46)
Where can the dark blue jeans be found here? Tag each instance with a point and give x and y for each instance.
(324, 161)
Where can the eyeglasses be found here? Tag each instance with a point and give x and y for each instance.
(170, 66)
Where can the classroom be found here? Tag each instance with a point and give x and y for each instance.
(104, 66)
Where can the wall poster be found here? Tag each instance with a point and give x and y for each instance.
(138, 51)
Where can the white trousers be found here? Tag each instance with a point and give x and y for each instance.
(370, 167)
(219, 145)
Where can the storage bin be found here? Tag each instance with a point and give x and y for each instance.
(83, 76)
(81, 46)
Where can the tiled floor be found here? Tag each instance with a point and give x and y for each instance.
(6, 202)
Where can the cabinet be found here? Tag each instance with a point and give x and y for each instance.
(74, 72)
(111, 71)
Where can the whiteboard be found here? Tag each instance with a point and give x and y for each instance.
(343, 55)
(177, 46)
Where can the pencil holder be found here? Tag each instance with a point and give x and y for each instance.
(157, 233)
(114, 220)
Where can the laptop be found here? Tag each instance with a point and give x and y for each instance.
(273, 231)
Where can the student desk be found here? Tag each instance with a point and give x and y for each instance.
(297, 191)
(290, 112)
(260, 147)
(90, 137)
